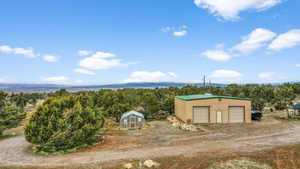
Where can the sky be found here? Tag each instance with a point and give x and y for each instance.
(119, 41)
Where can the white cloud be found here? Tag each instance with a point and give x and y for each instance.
(50, 58)
(180, 33)
(101, 60)
(84, 52)
(56, 80)
(18, 51)
(297, 65)
(286, 40)
(223, 73)
(218, 55)
(100, 54)
(230, 9)
(255, 40)
(172, 74)
(84, 71)
(176, 31)
(226, 76)
(143, 76)
(6, 49)
(26, 52)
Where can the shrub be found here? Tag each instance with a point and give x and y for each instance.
(10, 117)
(64, 124)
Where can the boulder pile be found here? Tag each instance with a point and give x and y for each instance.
(151, 163)
(141, 165)
(181, 125)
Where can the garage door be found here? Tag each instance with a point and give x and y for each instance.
(200, 114)
(236, 114)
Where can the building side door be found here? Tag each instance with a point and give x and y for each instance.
(219, 117)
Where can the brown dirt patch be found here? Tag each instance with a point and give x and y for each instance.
(169, 145)
(112, 142)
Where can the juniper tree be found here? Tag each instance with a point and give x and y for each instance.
(10, 117)
(64, 124)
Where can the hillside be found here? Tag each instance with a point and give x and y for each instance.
(54, 87)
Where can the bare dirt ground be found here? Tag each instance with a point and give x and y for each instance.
(161, 140)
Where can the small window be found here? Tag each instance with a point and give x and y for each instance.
(139, 119)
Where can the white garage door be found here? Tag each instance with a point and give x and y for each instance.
(236, 114)
(200, 114)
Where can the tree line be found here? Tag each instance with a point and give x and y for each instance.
(155, 102)
(69, 121)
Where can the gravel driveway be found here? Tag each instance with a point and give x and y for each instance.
(14, 150)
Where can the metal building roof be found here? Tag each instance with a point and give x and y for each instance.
(126, 114)
(209, 96)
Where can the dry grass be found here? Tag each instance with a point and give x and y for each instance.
(287, 157)
(240, 164)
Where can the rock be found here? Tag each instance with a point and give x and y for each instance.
(128, 166)
(187, 127)
(151, 163)
(183, 126)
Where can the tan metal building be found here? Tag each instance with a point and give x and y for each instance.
(209, 108)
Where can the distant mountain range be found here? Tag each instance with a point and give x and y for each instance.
(54, 87)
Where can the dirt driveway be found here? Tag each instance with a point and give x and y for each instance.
(161, 140)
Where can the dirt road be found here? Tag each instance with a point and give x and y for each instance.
(159, 142)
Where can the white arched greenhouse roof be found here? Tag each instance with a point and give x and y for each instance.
(132, 113)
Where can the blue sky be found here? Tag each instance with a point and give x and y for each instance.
(113, 41)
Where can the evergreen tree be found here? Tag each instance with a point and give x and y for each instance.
(10, 117)
(3, 99)
(64, 124)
